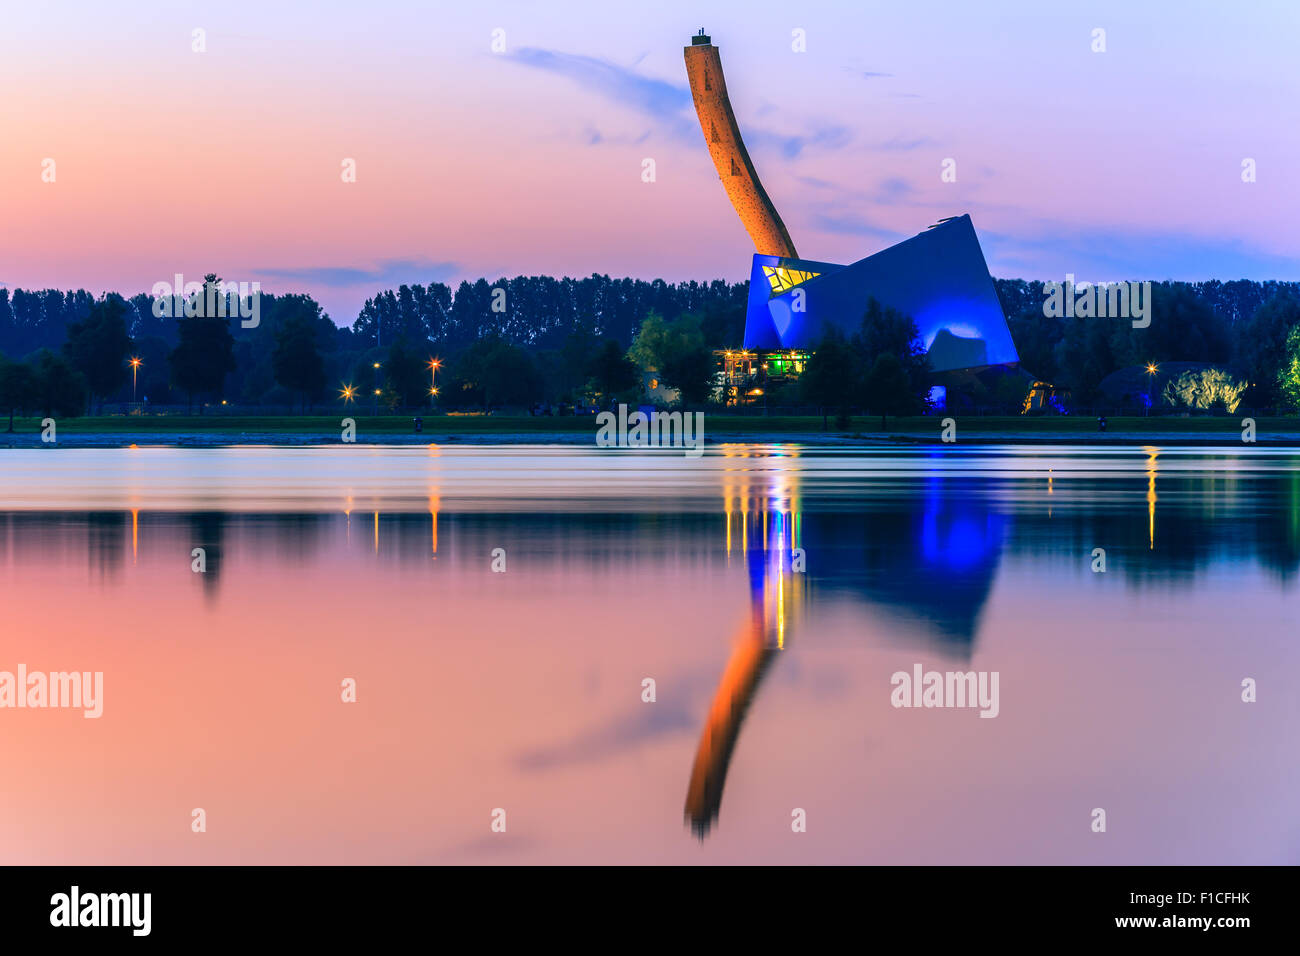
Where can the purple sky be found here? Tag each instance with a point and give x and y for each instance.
(1118, 164)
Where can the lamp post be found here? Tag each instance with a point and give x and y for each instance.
(135, 370)
(375, 406)
(433, 366)
(1152, 368)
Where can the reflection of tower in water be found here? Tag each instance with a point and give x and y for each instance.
(766, 524)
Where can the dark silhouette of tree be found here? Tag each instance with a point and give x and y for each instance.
(296, 361)
(18, 387)
(691, 372)
(612, 373)
(98, 346)
(830, 376)
(1184, 328)
(60, 388)
(493, 372)
(406, 373)
(204, 356)
(1261, 348)
(887, 331)
(886, 389)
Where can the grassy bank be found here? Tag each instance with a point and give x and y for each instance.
(927, 427)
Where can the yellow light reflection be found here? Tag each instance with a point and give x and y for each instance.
(433, 513)
(1151, 497)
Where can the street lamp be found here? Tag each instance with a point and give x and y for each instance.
(135, 370)
(1152, 368)
(375, 407)
(433, 366)
(348, 393)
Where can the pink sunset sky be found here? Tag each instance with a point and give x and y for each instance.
(1118, 164)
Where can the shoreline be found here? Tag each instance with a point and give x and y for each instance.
(900, 439)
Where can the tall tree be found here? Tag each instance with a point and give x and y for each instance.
(612, 373)
(886, 389)
(494, 372)
(98, 346)
(1288, 379)
(297, 362)
(18, 387)
(887, 331)
(60, 388)
(406, 373)
(830, 377)
(1262, 349)
(205, 354)
(690, 371)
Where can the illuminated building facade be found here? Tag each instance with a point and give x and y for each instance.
(744, 377)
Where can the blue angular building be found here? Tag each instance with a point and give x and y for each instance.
(938, 278)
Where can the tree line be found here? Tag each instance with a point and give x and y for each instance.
(538, 339)
(513, 341)
(1243, 327)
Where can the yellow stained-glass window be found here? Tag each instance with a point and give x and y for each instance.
(782, 280)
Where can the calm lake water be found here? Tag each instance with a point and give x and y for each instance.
(770, 592)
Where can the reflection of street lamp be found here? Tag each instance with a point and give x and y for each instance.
(135, 370)
(1152, 368)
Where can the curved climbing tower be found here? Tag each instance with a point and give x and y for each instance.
(709, 91)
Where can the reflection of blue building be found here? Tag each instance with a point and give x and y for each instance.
(939, 278)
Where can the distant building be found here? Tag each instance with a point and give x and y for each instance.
(939, 278)
(656, 390)
(745, 377)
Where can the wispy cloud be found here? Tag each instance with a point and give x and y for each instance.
(790, 146)
(892, 190)
(850, 225)
(815, 183)
(657, 98)
(904, 144)
(669, 104)
(387, 273)
(871, 76)
(1047, 250)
